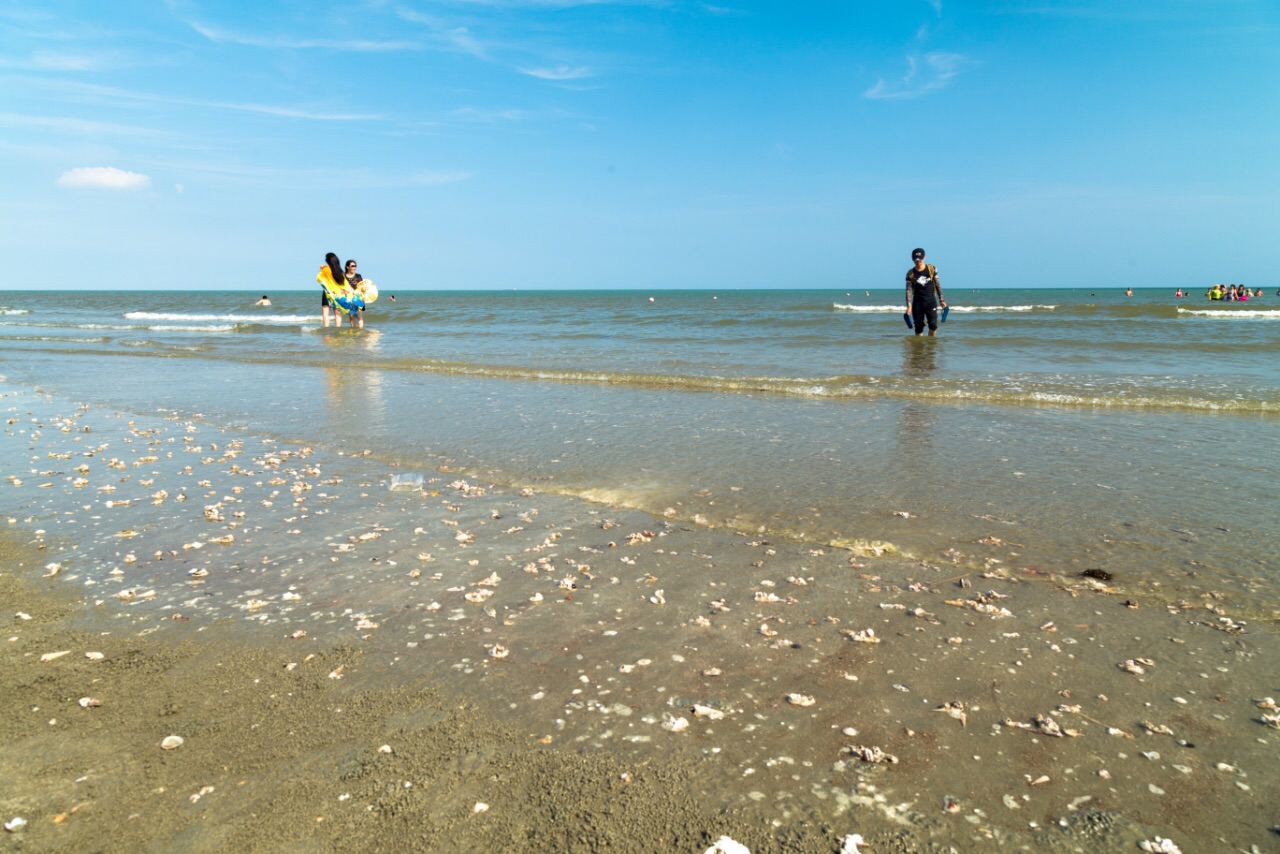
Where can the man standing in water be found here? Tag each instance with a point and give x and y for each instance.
(924, 294)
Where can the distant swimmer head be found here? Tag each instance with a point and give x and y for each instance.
(917, 254)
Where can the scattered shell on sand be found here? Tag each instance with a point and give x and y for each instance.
(725, 845)
(872, 755)
(712, 672)
(498, 651)
(50, 656)
(90, 702)
(1159, 846)
(863, 636)
(15, 824)
(700, 711)
(800, 700)
(955, 709)
(1137, 666)
(675, 724)
(94, 656)
(172, 742)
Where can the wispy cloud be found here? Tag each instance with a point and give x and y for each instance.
(92, 93)
(45, 60)
(216, 35)
(102, 178)
(925, 75)
(82, 127)
(482, 116)
(560, 72)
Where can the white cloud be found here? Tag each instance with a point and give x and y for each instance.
(102, 178)
(287, 43)
(922, 78)
(560, 72)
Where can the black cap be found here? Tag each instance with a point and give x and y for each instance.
(917, 254)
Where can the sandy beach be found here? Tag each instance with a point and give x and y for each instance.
(459, 666)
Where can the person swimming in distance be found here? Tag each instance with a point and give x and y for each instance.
(266, 300)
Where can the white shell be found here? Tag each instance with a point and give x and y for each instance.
(172, 742)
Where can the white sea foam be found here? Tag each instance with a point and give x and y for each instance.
(276, 319)
(1273, 313)
(955, 308)
(968, 308)
(174, 328)
(839, 307)
(15, 311)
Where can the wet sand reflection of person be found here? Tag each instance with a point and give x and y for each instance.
(915, 419)
(353, 394)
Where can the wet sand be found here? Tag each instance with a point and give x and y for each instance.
(600, 679)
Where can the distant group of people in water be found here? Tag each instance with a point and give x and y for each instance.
(1233, 293)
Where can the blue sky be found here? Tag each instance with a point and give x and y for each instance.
(558, 144)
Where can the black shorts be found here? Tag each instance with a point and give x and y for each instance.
(922, 312)
(324, 300)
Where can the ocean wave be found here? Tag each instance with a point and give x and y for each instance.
(968, 308)
(1273, 313)
(272, 319)
(866, 308)
(229, 327)
(956, 308)
(15, 311)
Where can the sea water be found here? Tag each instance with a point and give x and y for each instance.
(1129, 433)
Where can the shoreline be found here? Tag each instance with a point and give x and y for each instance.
(569, 694)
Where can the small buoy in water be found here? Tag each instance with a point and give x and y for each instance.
(650, 299)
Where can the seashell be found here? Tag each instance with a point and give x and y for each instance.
(872, 755)
(498, 651)
(766, 631)
(53, 569)
(700, 711)
(16, 823)
(675, 724)
(89, 703)
(800, 699)
(94, 656)
(658, 597)
(725, 845)
(850, 843)
(336, 673)
(480, 806)
(172, 742)
(1159, 846)
(864, 636)
(478, 596)
(50, 656)
(1156, 729)
(1267, 703)
(198, 572)
(762, 596)
(955, 709)
(300, 633)
(713, 672)
(386, 748)
(1137, 666)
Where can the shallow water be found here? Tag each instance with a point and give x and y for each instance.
(614, 622)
